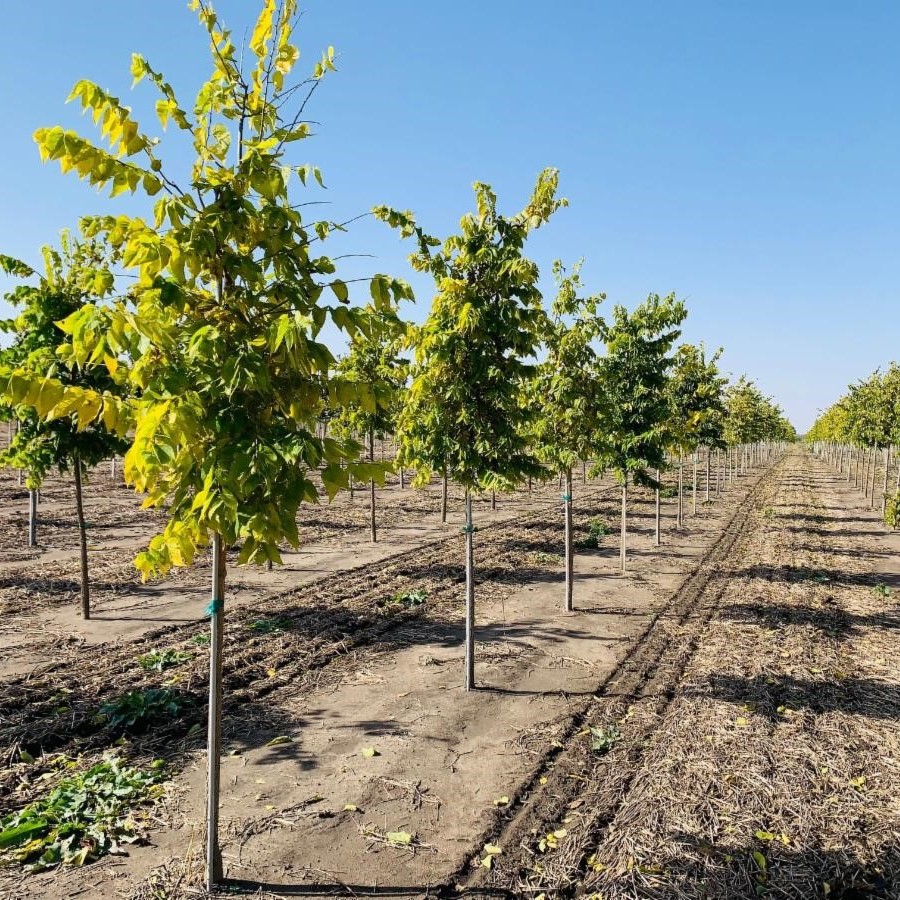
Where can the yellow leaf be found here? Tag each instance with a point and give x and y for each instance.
(369, 752)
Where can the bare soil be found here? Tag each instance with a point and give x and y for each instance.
(331, 665)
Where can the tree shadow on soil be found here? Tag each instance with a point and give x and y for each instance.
(833, 621)
(796, 574)
(769, 694)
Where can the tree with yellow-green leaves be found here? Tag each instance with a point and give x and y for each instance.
(697, 411)
(373, 359)
(221, 329)
(464, 416)
(565, 397)
(74, 274)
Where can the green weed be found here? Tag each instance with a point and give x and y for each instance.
(158, 660)
(604, 739)
(410, 598)
(597, 529)
(86, 816)
(135, 709)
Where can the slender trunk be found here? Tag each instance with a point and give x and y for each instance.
(884, 493)
(874, 473)
(372, 531)
(493, 499)
(656, 501)
(216, 611)
(529, 485)
(82, 536)
(680, 490)
(470, 596)
(444, 497)
(32, 518)
(624, 524)
(570, 557)
(718, 471)
(402, 479)
(583, 472)
(351, 485)
(708, 470)
(694, 487)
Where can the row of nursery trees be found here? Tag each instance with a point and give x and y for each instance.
(860, 435)
(208, 370)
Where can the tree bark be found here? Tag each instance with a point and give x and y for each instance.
(214, 872)
(570, 556)
(470, 596)
(680, 490)
(624, 524)
(444, 497)
(82, 536)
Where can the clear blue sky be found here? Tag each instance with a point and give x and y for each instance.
(745, 155)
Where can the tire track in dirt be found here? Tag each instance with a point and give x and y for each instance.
(581, 790)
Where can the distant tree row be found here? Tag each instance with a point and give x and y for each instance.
(860, 434)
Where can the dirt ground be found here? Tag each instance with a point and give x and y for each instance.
(335, 667)
(720, 722)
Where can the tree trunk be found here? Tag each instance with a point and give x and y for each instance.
(874, 474)
(680, 490)
(470, 596)
(624, 524)
(402, 479)
(656, 492)
(884, 493)
(570, 558)
(216, 611)
(583, 472)
(694, 488)
(444, 498)
(32, 518)
(372, 531)
(112, 468)
(82, 535)
(708, 467)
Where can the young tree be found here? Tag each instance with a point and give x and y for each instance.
(697, 410)
(565, 397)
(633, 378)
(223, 322)
(373, 360)
(74, 275)
(464, 417)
